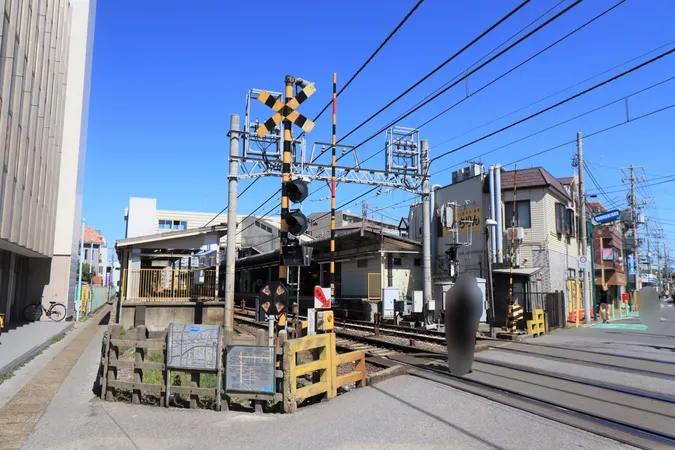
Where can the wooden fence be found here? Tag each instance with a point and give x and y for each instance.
(325, 366)
(324, 374)
(140, 345)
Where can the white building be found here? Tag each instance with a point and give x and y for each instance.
(45, 69)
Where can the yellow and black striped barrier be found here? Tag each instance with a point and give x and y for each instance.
(515, 314)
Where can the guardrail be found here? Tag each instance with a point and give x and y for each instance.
(326, 366)
(168, 284)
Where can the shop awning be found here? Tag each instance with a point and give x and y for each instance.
(616, 279)
(519, 270)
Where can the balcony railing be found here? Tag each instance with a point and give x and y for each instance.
(157, 285)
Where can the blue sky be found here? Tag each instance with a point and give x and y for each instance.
(166, 79)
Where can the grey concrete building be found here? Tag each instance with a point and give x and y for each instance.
(44, 75)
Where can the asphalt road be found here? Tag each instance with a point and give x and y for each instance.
(403, 412)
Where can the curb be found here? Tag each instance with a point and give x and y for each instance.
(385, 374)
(33, 351)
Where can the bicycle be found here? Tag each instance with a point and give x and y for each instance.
(56, 312)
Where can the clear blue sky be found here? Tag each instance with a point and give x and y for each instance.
(166, 79)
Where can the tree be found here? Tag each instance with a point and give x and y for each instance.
(86, 274)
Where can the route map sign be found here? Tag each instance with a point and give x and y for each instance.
(193, 346)
(250, 369)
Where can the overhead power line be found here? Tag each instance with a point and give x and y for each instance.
(522, 63)
(595, 133)
(557, 104)
(225, 208)
(370, 58)
(351, 79)
(563, 122)
(440, 66)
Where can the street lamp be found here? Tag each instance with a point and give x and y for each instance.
(490, 224)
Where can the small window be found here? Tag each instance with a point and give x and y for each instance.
(523, 218)
(361, 263)
(418, 262)
(570, 224)
(397, 261)
(86, 253)
(164, 224)
(561, 219)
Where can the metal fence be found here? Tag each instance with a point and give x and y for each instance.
(553, 304)
(168, 284)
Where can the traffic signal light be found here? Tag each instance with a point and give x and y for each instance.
(297, 190)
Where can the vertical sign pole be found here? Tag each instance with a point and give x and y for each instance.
(285, 178)
(332, 192)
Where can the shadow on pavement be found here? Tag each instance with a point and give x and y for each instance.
(440, 419)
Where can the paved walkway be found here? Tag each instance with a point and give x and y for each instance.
(25, 341)
(401, 413)
(19, 415)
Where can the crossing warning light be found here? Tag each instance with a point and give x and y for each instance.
(297, 191)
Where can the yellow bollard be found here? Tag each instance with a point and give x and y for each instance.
(578, 313)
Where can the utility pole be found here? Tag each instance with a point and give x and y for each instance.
(634, 217)
(426, 223)
(584, 238)
(230, 256)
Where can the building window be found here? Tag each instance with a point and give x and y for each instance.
(570, 224)
(397, 261)
(560, 218)
(418, 262)
(164, 224)
(180, 225)
(361, 263)
(523, 218)
(86, 254)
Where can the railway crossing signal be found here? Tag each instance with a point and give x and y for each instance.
(286, 111)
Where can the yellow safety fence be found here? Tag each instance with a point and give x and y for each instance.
(168, 284)
(326, 365)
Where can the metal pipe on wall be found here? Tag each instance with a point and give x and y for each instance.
(498, 214)
(434, 231)
(493, 236)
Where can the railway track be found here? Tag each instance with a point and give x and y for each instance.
(635, 417)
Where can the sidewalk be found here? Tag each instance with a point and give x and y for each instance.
(20, 344)
(21, 413)
(400, 413)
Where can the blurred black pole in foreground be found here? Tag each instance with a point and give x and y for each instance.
(463, 308)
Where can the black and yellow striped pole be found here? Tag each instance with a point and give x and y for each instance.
(285, 178)
(332, 193)
(511, 320)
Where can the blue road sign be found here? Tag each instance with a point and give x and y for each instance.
(632, 272)
(631, 261)
(608, 216)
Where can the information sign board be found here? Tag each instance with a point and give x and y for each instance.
(250, 369)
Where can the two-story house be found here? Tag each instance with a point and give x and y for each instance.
(545, 247)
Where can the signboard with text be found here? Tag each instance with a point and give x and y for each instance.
(471, 214)
(606, 217)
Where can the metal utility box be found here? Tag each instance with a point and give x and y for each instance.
(324, 321)
(418, 302)
(441, 288)
(389, 298)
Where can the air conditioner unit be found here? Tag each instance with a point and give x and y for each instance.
(518, 235)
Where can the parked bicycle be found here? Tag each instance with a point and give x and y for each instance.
(56, 311)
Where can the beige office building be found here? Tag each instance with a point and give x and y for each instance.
(45, 62)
